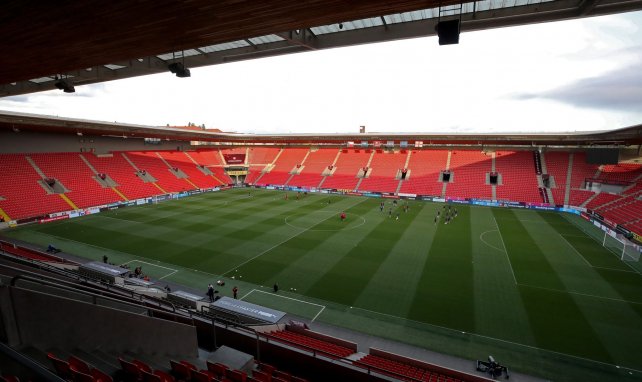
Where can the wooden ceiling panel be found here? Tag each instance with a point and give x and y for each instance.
(46, 37)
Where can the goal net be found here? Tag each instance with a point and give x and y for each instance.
(626, 250)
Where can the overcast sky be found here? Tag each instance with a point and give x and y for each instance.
(564, 76)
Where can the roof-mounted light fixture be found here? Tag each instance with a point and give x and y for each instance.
(179, 68)
(64, 84)
(448, 31)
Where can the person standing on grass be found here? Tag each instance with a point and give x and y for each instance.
(210, 292)
(235, 292)
(343, 216)
(276, 287)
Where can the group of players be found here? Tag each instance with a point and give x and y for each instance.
(450, 214)
(394, 205)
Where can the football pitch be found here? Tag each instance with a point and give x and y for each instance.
(534, 289)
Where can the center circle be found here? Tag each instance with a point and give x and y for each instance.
(354, 221)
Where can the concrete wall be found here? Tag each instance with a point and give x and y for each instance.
(30, 142)
(47, 321)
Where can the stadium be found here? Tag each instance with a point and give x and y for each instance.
(134, 252)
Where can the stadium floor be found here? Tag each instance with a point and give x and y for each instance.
(531, 288)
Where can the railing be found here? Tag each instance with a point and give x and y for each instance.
(42, 373)
(125, 295)
(608, 181)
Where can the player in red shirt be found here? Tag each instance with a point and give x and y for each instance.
(343, 216)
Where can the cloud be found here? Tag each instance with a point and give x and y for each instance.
(619, 89)
(17, 99)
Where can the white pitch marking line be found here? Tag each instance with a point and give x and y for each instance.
(505, 250)
(160, 278)
(317, 315)
(591, 265)
(617, 270)
(576, 225)
(289, 298)
(136, 257)
(481, 237)
(247, 294)
(293, 299)
(581, 294)
(576, 251)
(285, 241)
(154, 265)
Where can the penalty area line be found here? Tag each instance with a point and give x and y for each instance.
(289, 298)
(167, 275)
(317, 315)
(247, 294)
(152, 264)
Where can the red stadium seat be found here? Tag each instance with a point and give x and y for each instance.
(181, 371)
(60, 366)
(100, 376)
(79, 365)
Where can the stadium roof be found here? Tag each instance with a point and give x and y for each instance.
(93, 41)
(20, 122)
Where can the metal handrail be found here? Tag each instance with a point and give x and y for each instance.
(42, 372)
(72, 275)
(14, 280)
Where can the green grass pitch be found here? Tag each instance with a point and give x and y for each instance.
(529, 287)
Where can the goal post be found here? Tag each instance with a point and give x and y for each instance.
(626, 250)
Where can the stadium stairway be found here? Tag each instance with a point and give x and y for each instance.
(83, 189)
(23, 196)
(283, 165)
(469, 171)
(258, 158)
(384, 168)
(121, 171)
(584, 193)
(405, 166)
(425, 167)
(519, 181)
(154, 165)
(347, 166)
(333, 164)
(316, 162)
(213, 160)
(557, 166)
(493, 170)
(181, 160)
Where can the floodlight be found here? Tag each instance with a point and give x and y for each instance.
(448, 32)
(64, 85)
(179, 69)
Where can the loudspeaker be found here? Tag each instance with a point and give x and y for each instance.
(448, 32)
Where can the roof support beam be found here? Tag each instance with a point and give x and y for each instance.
(304, 38)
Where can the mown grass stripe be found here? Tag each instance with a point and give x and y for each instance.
(528, 263)
(391, 289)
(345, 281)
(444, 294)
(263, 268)
(556, 320)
